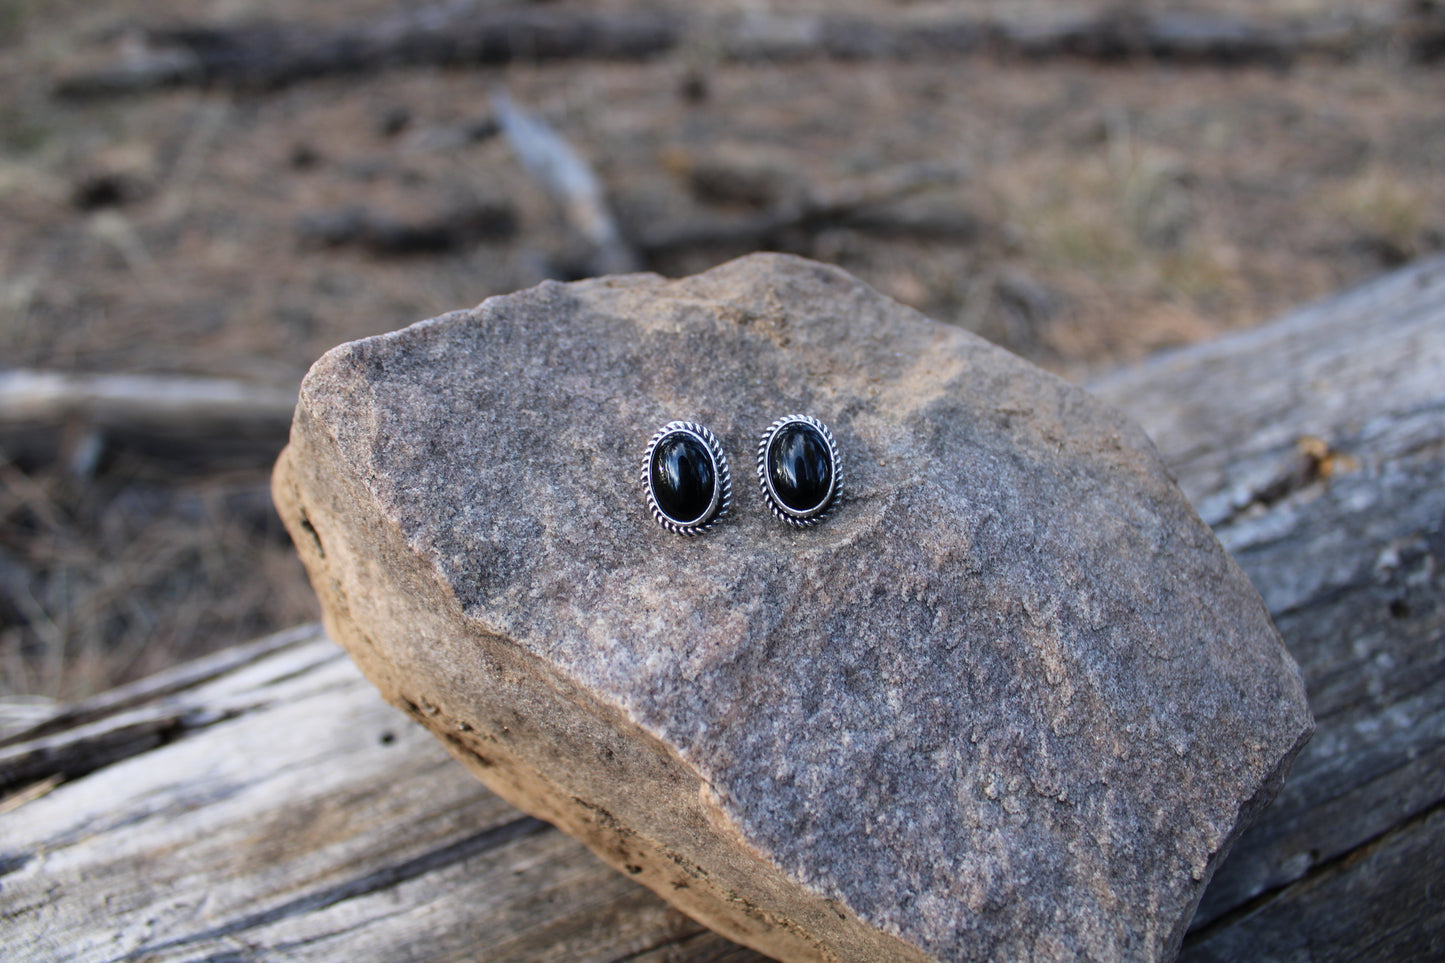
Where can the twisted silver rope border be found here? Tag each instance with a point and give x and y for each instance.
(785, 514)
(722, 479)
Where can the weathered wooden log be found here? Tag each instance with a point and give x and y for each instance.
(1316, 449)
(266, 803)
(268, 55)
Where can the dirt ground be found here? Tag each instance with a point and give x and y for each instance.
(1082, 211)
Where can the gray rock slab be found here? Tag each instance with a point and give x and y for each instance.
(1011, 700)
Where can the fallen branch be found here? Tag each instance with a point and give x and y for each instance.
(382, 234)
(125, 400)
(46, 415)
(571, 182)
(859, 204)
(269, 55)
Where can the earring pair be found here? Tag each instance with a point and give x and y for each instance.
(689, 485)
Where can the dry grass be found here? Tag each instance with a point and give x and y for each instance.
(110, 580)
(1381, 208)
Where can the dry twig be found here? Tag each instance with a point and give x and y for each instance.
(571, 181)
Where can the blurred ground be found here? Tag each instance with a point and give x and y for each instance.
(1081, 210)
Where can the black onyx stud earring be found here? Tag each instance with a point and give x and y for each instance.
(799, 469)
(686, 477)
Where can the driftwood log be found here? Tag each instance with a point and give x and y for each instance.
(265, 804)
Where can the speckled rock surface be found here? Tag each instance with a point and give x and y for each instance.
(1011, 700)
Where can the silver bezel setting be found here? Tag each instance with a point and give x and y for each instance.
(722, 489)
(785, 514)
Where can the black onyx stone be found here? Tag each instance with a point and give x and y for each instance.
(682, 477)
(800, 467)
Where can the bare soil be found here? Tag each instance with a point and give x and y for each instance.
(1081, 212)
